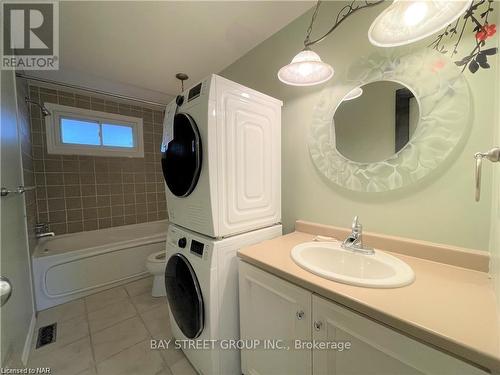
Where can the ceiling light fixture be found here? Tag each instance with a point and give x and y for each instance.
(307, 68)
(403, 22)
(182, 77)
(408, 21)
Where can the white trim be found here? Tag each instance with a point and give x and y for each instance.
(55, 145)
(29, 337)
(29, 340)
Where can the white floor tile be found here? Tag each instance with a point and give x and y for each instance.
(165, 371)
(171, 355)
(67, 332)
(89, 371)
(116, 338)
(145, 302)
(183, 367)
(71, 359)
(157, 322)
(138, 359)
(111, 314)
(61, 313)
(99, 300)
(141, 286)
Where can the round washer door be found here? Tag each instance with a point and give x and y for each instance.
(184, 296)
(181, 161)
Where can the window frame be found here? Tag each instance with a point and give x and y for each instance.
(54, 136)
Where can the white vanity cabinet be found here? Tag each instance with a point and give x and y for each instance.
(272, 308)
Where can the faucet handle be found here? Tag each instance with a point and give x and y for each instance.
(41, 227)
(356, 226)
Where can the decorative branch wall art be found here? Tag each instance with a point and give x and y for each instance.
(478, 15)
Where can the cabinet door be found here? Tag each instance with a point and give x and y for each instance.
(273, 309)
(375, 349)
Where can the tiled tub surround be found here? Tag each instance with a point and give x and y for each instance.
(82, 193)
(23, 112)
(109, 333)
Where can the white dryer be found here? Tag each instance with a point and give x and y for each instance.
(221, 158)
(201, 279)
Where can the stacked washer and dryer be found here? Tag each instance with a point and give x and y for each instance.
(221, 159)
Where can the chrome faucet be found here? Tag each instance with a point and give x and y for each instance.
(354, 241)
(42, 230)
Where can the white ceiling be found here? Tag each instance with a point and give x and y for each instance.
(135, 48)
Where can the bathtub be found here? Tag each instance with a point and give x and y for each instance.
(72, 266)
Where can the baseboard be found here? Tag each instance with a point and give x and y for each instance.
(29, 340)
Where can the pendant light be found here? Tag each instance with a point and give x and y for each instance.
(306, 69)
(403, 22)
(408, 21)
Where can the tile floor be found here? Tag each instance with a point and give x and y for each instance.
(109, 333)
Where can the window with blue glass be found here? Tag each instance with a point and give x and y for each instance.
(95, 133)
(80, 132)
(77, 131)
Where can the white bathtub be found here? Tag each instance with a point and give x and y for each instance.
(71, 266)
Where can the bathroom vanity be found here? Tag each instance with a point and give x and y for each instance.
(445, 322)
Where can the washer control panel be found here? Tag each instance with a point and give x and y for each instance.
(197, 248)
(184, 242)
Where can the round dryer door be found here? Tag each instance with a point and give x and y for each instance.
(181, 161)
(184, 296)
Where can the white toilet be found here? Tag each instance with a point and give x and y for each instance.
(156, 266)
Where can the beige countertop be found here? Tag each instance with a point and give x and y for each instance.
(449, 307)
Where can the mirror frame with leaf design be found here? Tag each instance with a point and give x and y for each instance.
(444, 104)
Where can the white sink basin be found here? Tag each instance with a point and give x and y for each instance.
(329, 260)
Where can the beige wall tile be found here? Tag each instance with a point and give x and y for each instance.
(70, 188)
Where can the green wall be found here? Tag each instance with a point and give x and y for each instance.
(439, 209)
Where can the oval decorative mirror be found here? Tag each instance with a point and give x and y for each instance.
(389, 121)
(375, 121)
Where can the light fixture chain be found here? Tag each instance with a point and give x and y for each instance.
(345, 12)
(313, 19)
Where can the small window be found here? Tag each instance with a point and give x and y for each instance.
(84, 132)
(80, 132)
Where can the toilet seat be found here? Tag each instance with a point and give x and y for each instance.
(159, 257)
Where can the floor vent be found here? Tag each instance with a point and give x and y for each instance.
(46, 335)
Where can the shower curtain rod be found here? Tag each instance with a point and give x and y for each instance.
(88, 89)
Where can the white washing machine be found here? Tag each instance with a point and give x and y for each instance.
(221, 158)
(201, 278)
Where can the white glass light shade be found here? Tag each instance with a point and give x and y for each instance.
(306, 69)
(407, 21)
(353, 94)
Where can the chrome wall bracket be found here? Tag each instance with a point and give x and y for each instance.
(492, 155)
(19, 190)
